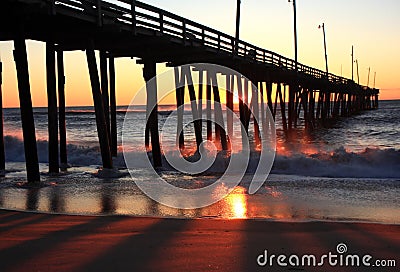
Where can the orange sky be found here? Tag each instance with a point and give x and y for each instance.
(371, 26)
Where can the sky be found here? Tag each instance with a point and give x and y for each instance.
(372, 26)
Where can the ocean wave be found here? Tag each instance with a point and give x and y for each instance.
(341, 163)
(77, 155)
(370, 163)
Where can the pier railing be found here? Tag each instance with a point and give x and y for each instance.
(136, 16)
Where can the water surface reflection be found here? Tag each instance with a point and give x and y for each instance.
(284, 198)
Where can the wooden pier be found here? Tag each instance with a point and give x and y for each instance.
(129, 28)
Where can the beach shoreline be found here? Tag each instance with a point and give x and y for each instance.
(50, 242)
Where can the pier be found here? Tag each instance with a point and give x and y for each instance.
(129, 28)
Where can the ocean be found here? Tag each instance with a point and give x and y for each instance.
(347, 172)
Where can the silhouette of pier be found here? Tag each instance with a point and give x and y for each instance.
(129, 28)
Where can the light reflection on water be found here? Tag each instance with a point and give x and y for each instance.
(283, 198)
(237, 203)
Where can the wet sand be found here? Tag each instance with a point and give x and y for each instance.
(43, 242)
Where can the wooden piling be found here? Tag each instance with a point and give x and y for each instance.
(208, 107)
(291, 106)
(246, 105)
(229, 105)
(256, 113)
(104, 89)
(325, 106)
(102, 130)
(276, 103)
(25, 100)
(319, 105)
(193, 102)
(282, 106)
(219, 118)
(302, 102)
(149, 72)
(263, 113)
(113, 108)
(147, 137)
(343, 105)
(311, 108)
(200, 96)
(61, 109)
(180, 96)
(241, 111)
(298, 101)
(2, 153)
(268, 90)
(54, 166)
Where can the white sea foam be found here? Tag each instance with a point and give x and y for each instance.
(370, 163)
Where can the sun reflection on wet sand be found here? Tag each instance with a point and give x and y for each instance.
(237, 201)
(292, 200)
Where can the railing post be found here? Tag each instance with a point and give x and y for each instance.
(133, 15)
(184, 31)
(53, 7)
(161, 23)
(99, 13)
(219, 42)
(203, 36)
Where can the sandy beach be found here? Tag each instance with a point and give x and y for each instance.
(43, 242)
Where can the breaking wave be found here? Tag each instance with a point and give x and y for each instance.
(370, 163)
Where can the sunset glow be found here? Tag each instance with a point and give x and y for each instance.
(355, 27)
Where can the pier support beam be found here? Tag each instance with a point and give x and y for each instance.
(208, 107)
(25, 100)
(256, 113)
(61, 110)
(2, 154)
(276, 103)
(282, 105)
(241, 110)
(113, 108)
(246, 105)
(104, 89)
(54, 166)
(99, 108)
(219, 118)
(263, 113)
(193, 102)
(150, 71)
(200, 99)
(311, 108)
(229, 104)
(180, 97)
(268, 90)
